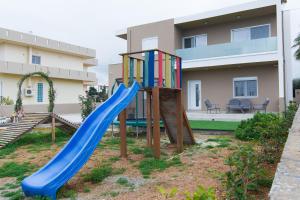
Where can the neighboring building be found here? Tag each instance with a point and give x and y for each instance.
(234, 52)
(66, 64)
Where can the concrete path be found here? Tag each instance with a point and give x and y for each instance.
(286, 184)
(219, 116)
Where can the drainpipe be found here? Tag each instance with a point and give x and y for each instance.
(283, 60)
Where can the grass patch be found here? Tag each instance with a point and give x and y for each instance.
(214, 125)
(148, 165)
(97, 175)
(12, 169)
(112, 193)
(136, 150)
(37, 141)
(86, 189)
(64, 192)
(114, 159)
(222, 141)
(13, 195)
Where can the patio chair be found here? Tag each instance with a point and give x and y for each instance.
(246, 105)
(234, 104)
(210, 106)
(263, 106)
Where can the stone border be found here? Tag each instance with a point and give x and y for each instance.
(286, 183)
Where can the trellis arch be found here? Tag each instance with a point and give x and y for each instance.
(51, 91)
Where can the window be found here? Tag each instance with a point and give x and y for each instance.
(36, 59)
(150, 43)
(250, 33)
(40, 92)
(245, 87)
(195, 41)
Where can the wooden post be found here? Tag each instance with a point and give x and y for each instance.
(179, 119)
(156, 122)
(123, 144)
(53, 128)
(149, 119)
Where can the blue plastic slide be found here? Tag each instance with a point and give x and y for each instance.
(61, 168)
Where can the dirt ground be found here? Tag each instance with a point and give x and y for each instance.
(203, 164)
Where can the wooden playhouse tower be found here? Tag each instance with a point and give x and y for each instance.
(159, 75)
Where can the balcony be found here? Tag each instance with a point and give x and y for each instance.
(250, 47)
(54, 72)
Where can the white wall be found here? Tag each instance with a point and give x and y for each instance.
(15, 53)
(53, 59)
(291, 31)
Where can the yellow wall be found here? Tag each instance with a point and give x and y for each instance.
(67, 91)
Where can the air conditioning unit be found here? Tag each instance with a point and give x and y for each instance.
(28, 92)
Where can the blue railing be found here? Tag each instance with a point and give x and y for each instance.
(229, 49)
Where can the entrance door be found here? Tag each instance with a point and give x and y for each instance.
(194, 95)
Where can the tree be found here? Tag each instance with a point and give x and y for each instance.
(297, 44)
(92, 91)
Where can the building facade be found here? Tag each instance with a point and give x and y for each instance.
(234, 52)
(66, 64)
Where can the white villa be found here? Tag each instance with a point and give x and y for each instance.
(66, 64)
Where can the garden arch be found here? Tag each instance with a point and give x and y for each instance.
(51, 91)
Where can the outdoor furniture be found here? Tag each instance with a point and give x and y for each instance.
(233, 105)
(246, 105)
(239, 105)
(210, 106)
(263, 106)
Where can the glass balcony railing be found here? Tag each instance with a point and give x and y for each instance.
(229, 49)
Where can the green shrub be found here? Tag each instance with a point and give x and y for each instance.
(202, 193)
(148, 165)
(243, 174)
(250, 129)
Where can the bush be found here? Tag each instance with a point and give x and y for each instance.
(244, 173)
(251, 128)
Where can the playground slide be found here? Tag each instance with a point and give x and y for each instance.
(47, 180)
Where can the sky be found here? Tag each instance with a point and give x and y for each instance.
(93, 23)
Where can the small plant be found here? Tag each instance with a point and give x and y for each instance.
(97, 175)
(124, 182)
(86, 189)
(243, 174)
(201, 193)
(167, 194)
(6, 101)
(65, 192)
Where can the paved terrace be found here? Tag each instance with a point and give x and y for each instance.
(286, 184)
(219, 116)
